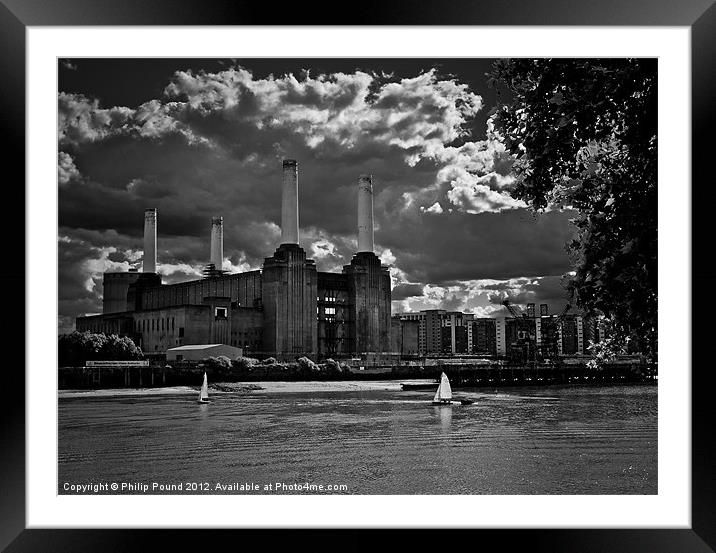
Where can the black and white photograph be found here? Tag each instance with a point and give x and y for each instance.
(377, 276)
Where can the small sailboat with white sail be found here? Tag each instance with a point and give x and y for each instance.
(443, 395)
(204, 393)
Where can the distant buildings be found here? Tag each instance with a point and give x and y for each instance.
(527, 336)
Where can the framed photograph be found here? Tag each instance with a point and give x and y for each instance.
(428, 270)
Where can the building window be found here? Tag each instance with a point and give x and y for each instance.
(221, 312)
(181, 332)
(330, 310)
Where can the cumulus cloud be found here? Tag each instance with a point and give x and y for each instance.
(322, 249)
(66, 169)
(386, 257)
(483, 297)
(435, 208)
(418, 115)
(82, 120)
(479, 176)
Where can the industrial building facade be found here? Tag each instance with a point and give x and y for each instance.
(287, 309)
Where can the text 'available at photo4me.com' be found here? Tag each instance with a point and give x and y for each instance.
(194, 487)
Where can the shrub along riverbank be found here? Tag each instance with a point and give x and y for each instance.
(223, 369)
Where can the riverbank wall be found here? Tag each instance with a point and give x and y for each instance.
(460, 374)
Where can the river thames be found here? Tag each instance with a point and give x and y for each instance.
(363, 438)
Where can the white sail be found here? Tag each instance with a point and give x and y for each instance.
(204, 394)
(444, 391)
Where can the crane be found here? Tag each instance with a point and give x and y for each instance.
(525, 346)
(511, 309)
(564, 312)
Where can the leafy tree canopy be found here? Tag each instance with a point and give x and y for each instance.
(76, 348)
(583, 134)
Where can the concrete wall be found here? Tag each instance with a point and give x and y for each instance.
(369, 296)
(244, 288)
(396, 335)
(289, 292)
(115, 287)
(219, 320)
(121, 324)
(405, 335)
(247, 329)
(160, 329)
(157, 330)
(411, 331)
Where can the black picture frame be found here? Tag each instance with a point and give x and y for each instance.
(699, 15)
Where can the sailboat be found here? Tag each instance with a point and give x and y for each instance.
(204, 393)
(443, 396)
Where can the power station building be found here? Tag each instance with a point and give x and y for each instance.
(286, 309)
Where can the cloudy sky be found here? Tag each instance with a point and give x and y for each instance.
(197, 138)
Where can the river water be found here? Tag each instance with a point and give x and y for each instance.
(532, 440)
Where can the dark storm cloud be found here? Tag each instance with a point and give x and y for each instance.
(403, 291)
(67, 64)
(484, 297)
(461, 246)
(212, 144)
(550, 290)
(80, 267)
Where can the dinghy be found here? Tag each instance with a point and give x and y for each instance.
(443, 396)
(204, 393)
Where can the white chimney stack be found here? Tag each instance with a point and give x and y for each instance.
(149, 264)
(289, 202)
(217, 242)
(365, 213)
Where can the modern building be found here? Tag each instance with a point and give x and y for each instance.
(405, 336)
(524, 337)
(484, 336)
(439, 332)
(287, 309)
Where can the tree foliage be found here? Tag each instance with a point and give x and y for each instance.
(76, 348)
(583, 134)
